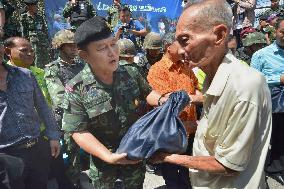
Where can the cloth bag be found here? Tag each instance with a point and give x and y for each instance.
(277, 97)
(159, 130)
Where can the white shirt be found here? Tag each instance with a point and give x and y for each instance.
(235, 127)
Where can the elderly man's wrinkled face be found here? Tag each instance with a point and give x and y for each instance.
(280, 35)
(196, 45)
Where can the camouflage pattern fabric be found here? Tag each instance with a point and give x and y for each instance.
(107, 112)
(11, 27)
(57, 74)
(113, 15)
(126, 48)
(34, 29)
(279, 11)
(87, 9)
(152, 41)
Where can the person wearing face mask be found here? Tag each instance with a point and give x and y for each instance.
(21, 54)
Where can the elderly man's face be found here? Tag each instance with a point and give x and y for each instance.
(280, 35)
(102, 55)
(196, 45)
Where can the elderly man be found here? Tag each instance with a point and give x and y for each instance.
(232, 138)
(270, 62)
(101, 104)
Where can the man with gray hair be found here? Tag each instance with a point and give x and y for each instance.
(233, 135)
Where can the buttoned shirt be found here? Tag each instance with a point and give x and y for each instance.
(22, 106)
(270, 62)
(166, 76)
(235, 127)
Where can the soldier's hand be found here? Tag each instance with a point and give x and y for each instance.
(120, 159)
(158, 157)
(55, 148)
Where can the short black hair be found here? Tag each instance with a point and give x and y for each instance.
(10, 42)
(124, 9)
(94, 29)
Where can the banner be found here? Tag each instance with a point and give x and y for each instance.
(160, 16)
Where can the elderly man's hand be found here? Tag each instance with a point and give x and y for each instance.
(55, 148)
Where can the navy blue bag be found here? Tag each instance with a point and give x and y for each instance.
(159, 130)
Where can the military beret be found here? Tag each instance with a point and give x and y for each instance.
(30, 2)
(94, 29)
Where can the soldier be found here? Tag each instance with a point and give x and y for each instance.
(33, 27)
(100, 105)
(113, 13)
(127, 52)
(57, 74)
(274, 9)
(78, 11)
(153, 51)
(8, 28)
(251, 43)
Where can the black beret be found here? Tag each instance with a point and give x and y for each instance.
(94, 29)
(30, 2)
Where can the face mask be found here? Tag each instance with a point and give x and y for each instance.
(20, 63)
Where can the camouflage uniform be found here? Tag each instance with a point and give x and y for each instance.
(152, 41)
(269, 12)
(57, 75)
(113, 15)
(11, 28)
(107, 112)
(83, 11)
(127, 49)
(34, 29)
(250, 39)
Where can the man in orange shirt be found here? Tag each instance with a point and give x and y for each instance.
(169, 75)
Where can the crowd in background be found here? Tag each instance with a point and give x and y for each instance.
(36, 99)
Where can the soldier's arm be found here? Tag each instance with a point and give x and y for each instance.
(24, 25)
(75, 124)
(55, 87)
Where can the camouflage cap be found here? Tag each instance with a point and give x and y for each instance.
(126, 48)
(254, 38)
(152, 41)
(62, 37)
(30, 2)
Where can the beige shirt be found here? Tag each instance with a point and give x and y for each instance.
(235, 127)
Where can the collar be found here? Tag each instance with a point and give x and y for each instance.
(275, 48)
(64, 63)
(221, 77)
(167, 61)
(89, 77)
(10, 68)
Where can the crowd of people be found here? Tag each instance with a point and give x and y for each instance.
(65, 116)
